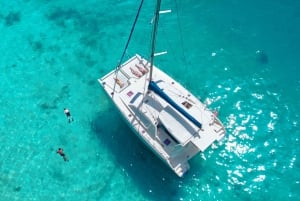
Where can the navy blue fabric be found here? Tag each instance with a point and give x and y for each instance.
(155, 88)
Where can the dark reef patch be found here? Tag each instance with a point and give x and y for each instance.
(74, 19)
(37, 46)
(92, 83)
(60, 16)
(47, 106)
(12, 18)
(86, 58)
(64, 93)
(36, 42)
(60, 13)
(17, 188)
(89, 41)
(90, 23)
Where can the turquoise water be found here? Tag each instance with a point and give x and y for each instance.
(52, 53)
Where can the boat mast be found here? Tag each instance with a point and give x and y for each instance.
(154, 33)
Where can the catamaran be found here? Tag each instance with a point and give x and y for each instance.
(167, 117)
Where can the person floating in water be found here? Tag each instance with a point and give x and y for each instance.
(60, 151)
(68, 114)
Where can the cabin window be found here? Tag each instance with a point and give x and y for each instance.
(187, 104)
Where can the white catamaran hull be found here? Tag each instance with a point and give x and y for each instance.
(171, 121)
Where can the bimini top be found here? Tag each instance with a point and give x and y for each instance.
(155, 88)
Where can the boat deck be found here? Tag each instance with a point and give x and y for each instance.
(173, 137)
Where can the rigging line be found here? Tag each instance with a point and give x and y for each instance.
(180, 34)
(130, 35)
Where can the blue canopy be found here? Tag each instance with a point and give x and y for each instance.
(155, 88)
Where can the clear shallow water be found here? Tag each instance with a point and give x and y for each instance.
(53, 52)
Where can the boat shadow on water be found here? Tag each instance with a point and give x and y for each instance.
(150, 174)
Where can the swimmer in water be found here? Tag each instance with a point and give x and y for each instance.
(68, 115)
(60, 151)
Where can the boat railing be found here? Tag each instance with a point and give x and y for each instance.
(143, 120)
(150, 129)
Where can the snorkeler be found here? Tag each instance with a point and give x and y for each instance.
(60, 151)
(68, 114)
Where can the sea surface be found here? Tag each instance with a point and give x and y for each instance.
(239, 57)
